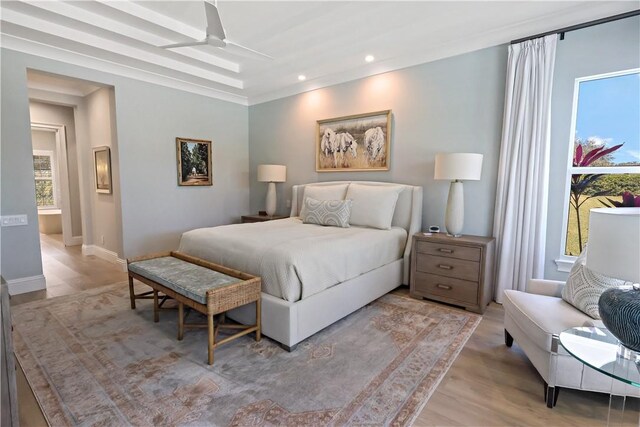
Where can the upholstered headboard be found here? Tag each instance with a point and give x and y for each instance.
(408, 213)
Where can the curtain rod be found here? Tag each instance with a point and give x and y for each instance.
(561, 31)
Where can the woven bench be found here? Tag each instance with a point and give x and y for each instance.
(204, 286)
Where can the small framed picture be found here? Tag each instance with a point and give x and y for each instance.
(194, 162)
(102, 166)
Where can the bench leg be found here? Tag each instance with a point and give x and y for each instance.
(211, 337)
(258, 319)
(180, 321)
(156, 308)
(132, 295)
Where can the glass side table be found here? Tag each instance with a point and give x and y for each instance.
(600, 350)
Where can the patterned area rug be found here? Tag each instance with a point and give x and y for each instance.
(91, 360)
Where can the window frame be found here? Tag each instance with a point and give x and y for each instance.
(54, 178)
(565, 262)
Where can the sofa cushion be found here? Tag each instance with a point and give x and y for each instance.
(542, 316)
(584, 287)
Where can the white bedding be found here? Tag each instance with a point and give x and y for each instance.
(296, 260)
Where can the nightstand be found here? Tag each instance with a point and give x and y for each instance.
(454, 270)
(260, 218)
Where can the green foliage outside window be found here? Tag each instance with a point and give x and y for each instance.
(43, 172)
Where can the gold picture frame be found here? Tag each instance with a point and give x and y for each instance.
(194, 158)
(102, 169)
(356, 143)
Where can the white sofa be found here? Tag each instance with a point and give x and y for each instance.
(534, 319)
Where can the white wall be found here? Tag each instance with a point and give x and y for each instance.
(451, 105)
(148, 118)
(601, 49)
(100, 127)
(62, 115)
(44, 140)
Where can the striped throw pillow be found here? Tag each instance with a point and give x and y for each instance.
(335, 213)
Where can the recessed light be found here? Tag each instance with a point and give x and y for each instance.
(302, 77)
(369, 58)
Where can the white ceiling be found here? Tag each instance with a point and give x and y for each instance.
(326, 41)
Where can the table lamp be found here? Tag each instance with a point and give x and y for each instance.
(271, 174)
(457, 167)
(614, 251)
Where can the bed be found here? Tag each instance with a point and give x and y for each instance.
(313, 275)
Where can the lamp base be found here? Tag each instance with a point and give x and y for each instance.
(271, 199)
(454, 218)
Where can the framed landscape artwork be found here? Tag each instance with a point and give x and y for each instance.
(102, 167)
(354, 143)
(194, 162)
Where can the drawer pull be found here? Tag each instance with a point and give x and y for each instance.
(446, 251)
(443, 287)
(445, 267)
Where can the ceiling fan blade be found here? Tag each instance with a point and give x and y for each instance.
(245, 51)
(214, 24)
(186, 44)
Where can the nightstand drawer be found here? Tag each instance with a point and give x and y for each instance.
(446, 287)
(451, 267)
(450, 251)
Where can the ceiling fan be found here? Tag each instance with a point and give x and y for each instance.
(216, 37)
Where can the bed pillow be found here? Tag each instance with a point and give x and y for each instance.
(373, 205)
(327, 212)
(584, 287)
(323, 192)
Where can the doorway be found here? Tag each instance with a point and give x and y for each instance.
(51, 174)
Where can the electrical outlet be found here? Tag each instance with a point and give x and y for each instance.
(14, 220)
(288, 203)
(102, 239)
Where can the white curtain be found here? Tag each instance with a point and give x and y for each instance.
(520, 221)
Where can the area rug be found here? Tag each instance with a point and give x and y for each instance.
(91, 360)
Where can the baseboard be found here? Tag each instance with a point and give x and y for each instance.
(26, 284)
(74, 241)
(104, 254)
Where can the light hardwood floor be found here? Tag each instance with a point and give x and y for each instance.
(488, 384)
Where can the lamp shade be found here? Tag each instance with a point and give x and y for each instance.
(614, 243)
(462, 166)
(272, 173)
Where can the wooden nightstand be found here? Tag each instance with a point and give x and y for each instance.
(261, 218)
(455, 270)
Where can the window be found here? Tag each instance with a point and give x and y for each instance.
(45, 176)
(604, 165)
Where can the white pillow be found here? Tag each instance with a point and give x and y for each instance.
(373, 205)
(323, 192)
(584, 287)
(327, 212)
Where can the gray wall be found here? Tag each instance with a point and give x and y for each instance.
(20, 251)
(148, 118)
(61, 115)
(451, 105)
(596, 50)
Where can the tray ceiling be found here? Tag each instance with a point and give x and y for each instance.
(325, 41)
